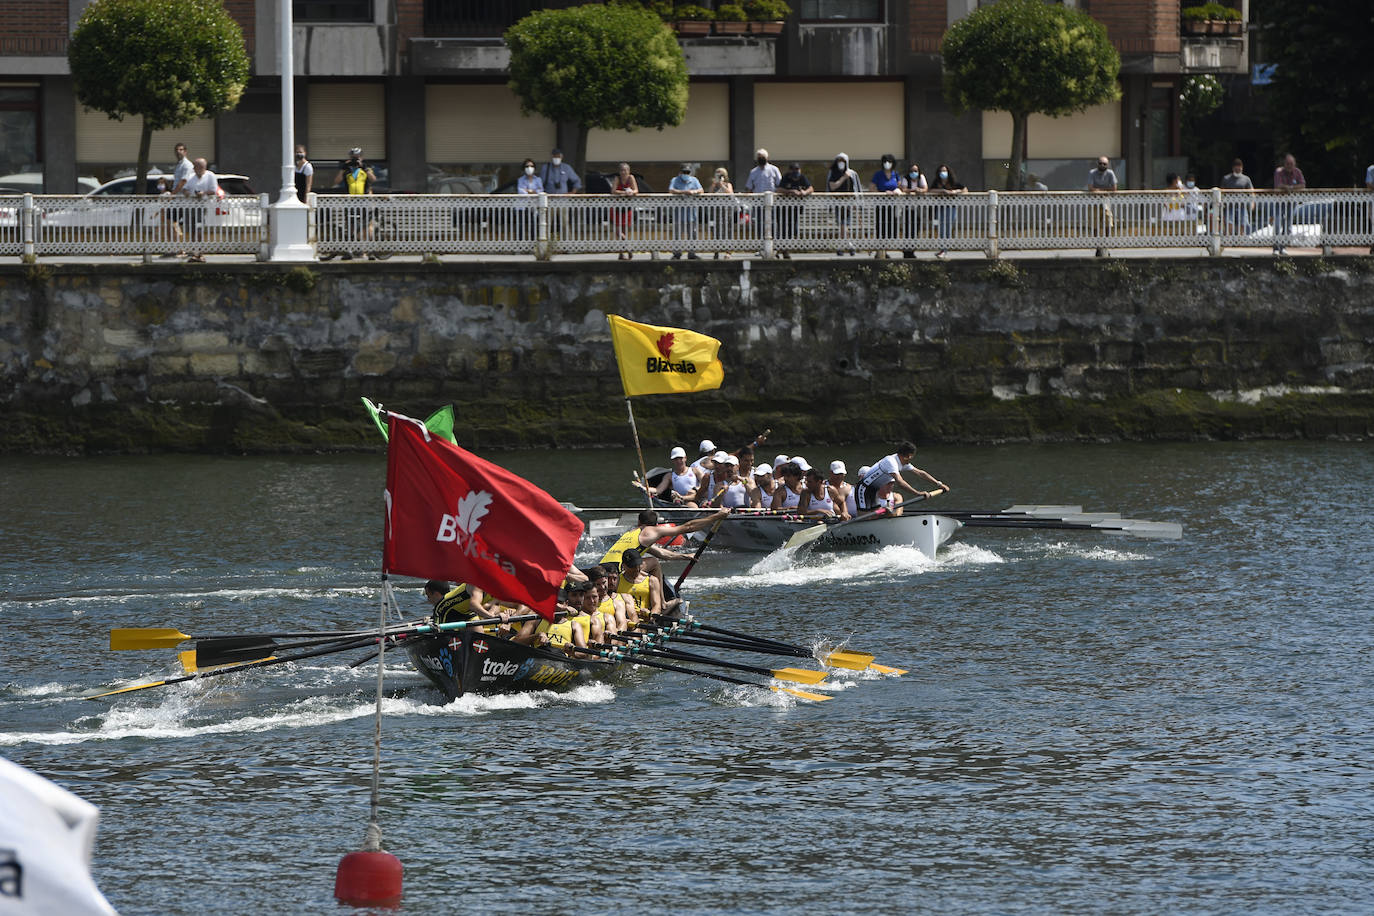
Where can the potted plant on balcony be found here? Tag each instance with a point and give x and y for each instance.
(1212, 18)
(691, 19)
(766, 16)
(731, 19)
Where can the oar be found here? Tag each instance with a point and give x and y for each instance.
(168, 638)
(733, 639)
(230, 669)
(650, 663)
(796, 675)
(341, 646)
(677, 586)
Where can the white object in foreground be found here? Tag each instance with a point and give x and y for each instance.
(46, 837)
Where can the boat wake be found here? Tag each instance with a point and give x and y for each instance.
(187, 712)
(792, 568)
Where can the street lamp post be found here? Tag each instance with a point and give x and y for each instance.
(289, 232)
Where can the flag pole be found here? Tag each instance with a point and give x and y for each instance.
(643, 474)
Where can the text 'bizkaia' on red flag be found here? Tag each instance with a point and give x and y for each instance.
(658, 360)
(452, 515)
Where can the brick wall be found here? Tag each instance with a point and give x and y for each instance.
(410, 23)
(33, 28)
(1134, 26)
(38, 28)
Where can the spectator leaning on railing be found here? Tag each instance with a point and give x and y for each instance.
(1102, 180)
(1287, 179)
(1369, 186)
(1237, 213)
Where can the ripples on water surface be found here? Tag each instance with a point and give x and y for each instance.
(1089, 723)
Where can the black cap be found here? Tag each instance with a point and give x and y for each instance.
(631, 557)
(578, 588)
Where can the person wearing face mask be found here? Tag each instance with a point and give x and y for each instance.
(1102, 180)
(720, 184)
(764, 176)
(796, 186)
(885, 181)
(530, 184)
(945, 183)
(1238, 206)
(841, 179)
(558, 177)
(684, 187)
(1192, 202)
(911, 183)
(305, 174)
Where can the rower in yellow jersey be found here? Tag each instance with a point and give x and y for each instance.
(640, 585)
(645, 536)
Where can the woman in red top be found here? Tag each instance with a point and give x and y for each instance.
(622, 216)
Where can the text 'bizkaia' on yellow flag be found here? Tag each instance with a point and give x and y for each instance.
(656, 360)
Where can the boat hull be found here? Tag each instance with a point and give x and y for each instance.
(467, 661)
(765, 533)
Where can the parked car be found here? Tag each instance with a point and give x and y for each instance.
(32, 183)
(94, 210)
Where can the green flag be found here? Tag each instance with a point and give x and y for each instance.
(440, 423)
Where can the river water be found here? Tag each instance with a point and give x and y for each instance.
(1089, 723)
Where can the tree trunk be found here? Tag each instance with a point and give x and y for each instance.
(1015, 181)
(579, 153)
(145, 142)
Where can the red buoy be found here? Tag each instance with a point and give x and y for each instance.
(368, 879)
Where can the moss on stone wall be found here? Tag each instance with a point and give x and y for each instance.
(267, 358)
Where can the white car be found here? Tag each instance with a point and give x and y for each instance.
(114, 204)
(32, 183)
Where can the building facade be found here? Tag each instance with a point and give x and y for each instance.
(419, 85)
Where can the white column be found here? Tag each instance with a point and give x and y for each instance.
(288, 236)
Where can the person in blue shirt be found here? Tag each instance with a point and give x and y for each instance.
(528, 184)
(685, 186)
(885, 181)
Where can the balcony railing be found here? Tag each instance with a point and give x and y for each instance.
(761, 225)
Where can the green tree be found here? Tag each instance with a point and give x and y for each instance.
(610, 67)
(1321, 96)
(1028, 57)
(171, 63)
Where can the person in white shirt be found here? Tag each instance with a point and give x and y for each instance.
(203, 186)
(889, 471)
(842, 488)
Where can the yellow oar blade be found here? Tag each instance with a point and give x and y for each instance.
(855, 660)
(884, 669)
(799, 675)
(818, 697)
(110, 693)
(146, 638)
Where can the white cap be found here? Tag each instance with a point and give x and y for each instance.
(837, 467)
(718, 457)
(863, 471)
(764, 471)
(780, 461)
(731, 459)
(801, 463)
(677, 452)
(706, 446)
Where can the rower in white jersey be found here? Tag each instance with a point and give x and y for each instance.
(680, 483)
(787, 491)
(842, 488)
(849, 503)
(706, 463)
(818, 497)
(889, 471)
(730, 491)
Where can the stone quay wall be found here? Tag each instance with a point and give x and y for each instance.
(273, 358)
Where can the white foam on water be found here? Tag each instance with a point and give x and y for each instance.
(1098, 552)
(37, 690)
(789, 568)
(229, 594)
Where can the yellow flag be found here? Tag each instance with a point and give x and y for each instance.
(656, 360)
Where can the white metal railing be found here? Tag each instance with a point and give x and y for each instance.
(146, 224)
(763, 224)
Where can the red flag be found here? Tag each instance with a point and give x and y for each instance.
(451, 515)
